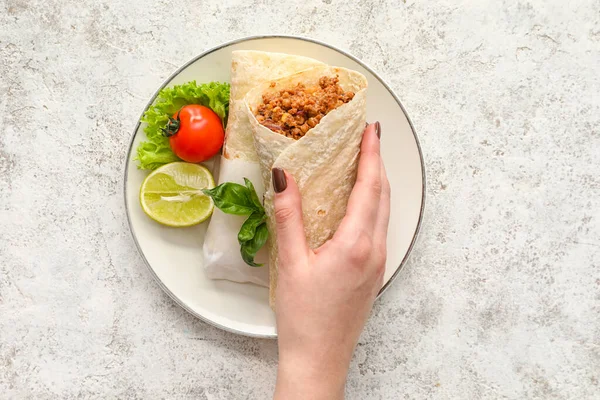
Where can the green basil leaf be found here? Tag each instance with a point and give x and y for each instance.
(248, 229)
(253, 195)
(232, 198)
(251, 247)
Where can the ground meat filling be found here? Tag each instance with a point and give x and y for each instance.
(292, 112)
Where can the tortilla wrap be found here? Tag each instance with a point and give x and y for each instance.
(250, 69)
(222, 259)
(323, 162)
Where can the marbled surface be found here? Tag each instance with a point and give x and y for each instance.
(501, 297)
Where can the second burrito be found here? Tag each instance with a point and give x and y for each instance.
(309, 124)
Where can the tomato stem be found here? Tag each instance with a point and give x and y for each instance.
(172, 126)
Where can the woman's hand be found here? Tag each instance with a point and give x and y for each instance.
(324, 296)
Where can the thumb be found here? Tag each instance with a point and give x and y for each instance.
(291, 238)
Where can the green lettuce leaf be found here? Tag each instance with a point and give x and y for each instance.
(156, 151)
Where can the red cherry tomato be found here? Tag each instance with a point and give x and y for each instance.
(195, 133)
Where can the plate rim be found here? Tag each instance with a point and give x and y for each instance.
(207, 52)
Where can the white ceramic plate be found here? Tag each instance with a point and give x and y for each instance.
(174, 256)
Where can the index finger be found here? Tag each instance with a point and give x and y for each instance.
(364, 199)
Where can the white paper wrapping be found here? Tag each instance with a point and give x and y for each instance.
(222, 259)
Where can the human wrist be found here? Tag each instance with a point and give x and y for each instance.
(301, 376)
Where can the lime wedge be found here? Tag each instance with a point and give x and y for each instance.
(172, 194)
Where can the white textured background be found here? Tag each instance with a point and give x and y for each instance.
(501, 298)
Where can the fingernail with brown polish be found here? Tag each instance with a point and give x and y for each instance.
(378, 129)
(279, 181)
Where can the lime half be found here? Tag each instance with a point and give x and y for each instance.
(172, 194)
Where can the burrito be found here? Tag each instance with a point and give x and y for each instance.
(309, 124)
(222, 259)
